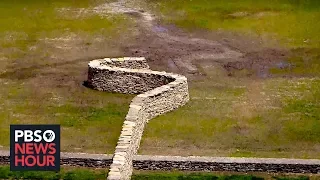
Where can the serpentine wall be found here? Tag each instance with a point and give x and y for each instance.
(159, 92)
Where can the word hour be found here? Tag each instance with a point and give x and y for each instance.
(31, 154)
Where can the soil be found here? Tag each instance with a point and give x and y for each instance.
(258, 63)
(168, 48)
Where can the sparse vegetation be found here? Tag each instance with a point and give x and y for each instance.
(267, 118)
(68, 173)
(45, 46)
(240, 115)
(294, 22)
(65, 174)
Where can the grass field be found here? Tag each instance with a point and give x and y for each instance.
(240, 115)
(69, 173)
(262, 119)
(45, 47)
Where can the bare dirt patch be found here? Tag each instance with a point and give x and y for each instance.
(171, 49)
(258, 63)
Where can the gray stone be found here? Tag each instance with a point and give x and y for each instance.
(158, 93)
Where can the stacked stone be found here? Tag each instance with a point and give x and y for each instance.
(126, 62)
(4, 157)
(191, 163)
(123, 80)
(162, 92)
(86, 160)
(207, 164)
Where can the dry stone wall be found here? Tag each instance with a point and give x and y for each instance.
(209, 164)
(161, 92)
(103, 77)
(127, 62)
(191, 163)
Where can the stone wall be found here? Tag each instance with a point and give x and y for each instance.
(199, 164)
(86, 160)
(124, 80)
(209, 164)
(161, 92)
(4, 157)
(72, 159)
(127, 62)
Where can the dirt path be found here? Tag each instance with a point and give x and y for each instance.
(167, 47)
(171, 49)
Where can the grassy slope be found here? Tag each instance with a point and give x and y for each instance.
(95, 174)
(41, 76)
(230, 116)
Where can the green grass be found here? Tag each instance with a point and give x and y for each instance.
(303, 112)
(264, 118)
(24, 23)
(194, 177)
(241, 116)
(302, 63)
(176, 175)
(71, 173)
(44, 50)
(293, 22)
(91, 121)
(65, 173)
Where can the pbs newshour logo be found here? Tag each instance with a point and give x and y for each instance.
(34, 147)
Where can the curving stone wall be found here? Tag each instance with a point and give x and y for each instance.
(161, 92)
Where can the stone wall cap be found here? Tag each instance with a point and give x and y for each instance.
(95, 63)
(85, 156)
(122, 147)
(129, 123)
(144, 95)
(118, 162)
(135, 106)
(227, 159)
(140, 58)
(131, 117)
(107, 59)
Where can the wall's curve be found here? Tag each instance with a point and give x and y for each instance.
(161, 92)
